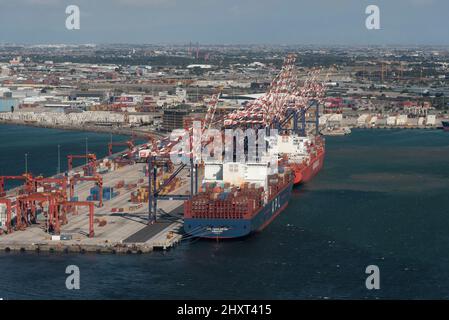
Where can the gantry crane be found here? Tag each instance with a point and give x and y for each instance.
(283, 96)
(55, 216)
(129, 144)
(211, 110)
(152, 142)
(26, 177)
(92, 160)
(97, 178)
(41, 182)
(26, 210)
(69, 204)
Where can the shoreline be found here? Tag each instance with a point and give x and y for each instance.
(86, 128)
(144, 134)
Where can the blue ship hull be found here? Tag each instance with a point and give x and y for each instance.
(235, 228)
(445, 125)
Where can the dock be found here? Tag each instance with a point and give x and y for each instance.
(120, 226)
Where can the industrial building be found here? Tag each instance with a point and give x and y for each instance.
(173, 119)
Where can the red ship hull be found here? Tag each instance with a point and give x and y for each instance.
(305, 172)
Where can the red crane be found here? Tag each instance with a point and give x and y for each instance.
(153, 142)
(98, 179)
(28, 182)
(92, 160)
(57, 207)
(129, 144)
(41, 182)
(26, 210)
(70, 204)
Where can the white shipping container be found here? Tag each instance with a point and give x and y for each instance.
(336, 117)
(2, 214)
(420, 121)
(402, 120)
(431, 120)
(391, 121)
(213, 171)
(362, 120)
(323, 119)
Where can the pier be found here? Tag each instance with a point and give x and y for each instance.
(120, 225)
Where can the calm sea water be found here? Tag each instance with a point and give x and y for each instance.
(381, 198)
(41, 147)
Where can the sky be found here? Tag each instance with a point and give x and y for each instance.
(296, 22)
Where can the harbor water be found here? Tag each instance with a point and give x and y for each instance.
(41, 149)
(381, 199)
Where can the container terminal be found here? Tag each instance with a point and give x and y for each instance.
(98, 207)
(119, 225)
(136, 201)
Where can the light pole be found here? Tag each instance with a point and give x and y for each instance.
(26, 163)
(87, 148)
(59, 159)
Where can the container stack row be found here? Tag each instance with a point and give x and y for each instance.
(108, 193)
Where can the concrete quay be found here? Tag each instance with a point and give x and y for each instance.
(126, 231)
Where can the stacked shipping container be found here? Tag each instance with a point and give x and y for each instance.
(231, 202)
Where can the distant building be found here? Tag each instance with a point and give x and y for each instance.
(201, 66)
(15, 61)
(149, 104)
(257, 64)
(97, 96)
(262, 86)
(333, 105)
(415, 108)
(174, 119)
(7, 94)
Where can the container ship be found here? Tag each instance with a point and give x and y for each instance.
(445, 125)
(237, 199)
(304, 155)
